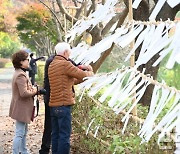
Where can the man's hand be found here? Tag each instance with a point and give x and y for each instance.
(86, 67)
(89, 68)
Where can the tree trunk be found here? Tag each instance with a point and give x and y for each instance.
(143, 14)
(107, 52)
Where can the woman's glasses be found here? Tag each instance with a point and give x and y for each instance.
(27, 59)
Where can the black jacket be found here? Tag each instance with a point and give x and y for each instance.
(33, 66)
(46, 79)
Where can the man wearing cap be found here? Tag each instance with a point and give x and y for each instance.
(62, 77)
(33, 67)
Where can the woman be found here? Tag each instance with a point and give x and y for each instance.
(21, 108)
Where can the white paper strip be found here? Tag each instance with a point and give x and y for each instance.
(156, 10)
(173, 3)
(128, 38)
(89, 126)
(97, 128)
(94, 18)
(110, 89)
(139, 40)
(136, 3)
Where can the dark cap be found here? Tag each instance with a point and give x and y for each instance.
(31, 54)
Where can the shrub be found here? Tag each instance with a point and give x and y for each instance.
(3, 62)
(110, 138)
(40, 73)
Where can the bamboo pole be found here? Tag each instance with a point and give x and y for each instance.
(85, 14)
(136, 22)
(132, 59)
(150, 79)
(72, 22)
(134, 118)
(65, 24)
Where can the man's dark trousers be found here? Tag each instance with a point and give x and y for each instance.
(61, 129)
(46, 140)
(33, 79)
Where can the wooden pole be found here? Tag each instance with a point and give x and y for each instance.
(132, 59)
(85, 14)
(72, 22)
(85, 8)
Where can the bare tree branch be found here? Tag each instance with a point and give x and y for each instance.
(52, 13)
(101, 59)
(108, 51)
(92, 7)
(122, 17)
(37, 44)
(57, 25)
(63, 11)
(96, 34)
(75, 3)
(111, 23)
(79, 11)
(103, 2)
(89, 11)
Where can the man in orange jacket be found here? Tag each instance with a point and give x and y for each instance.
(62, 77)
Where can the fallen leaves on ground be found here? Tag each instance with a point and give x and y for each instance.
(34, 136)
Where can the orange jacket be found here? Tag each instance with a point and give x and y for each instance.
(62, 77)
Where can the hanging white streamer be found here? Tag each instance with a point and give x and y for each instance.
(81, 95)
(146, 41)
(93, 19)
(173, 3)
(156, 10)
(89, 126)
(136, 4)
(97, 128)
(160, 98)
(125, 124)
(139, 96)
(110, 90)
(168, 117)
(118, 108)
(129, 37)
(139, 40)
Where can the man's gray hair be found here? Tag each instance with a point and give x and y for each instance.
(61, 47)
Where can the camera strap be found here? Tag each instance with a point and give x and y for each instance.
(37, 107)
(37, 104)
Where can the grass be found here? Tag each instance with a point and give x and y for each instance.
(9, 64)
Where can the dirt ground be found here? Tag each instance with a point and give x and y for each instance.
(7, 127)
(33, 138)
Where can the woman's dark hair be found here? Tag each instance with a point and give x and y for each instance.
(18, 57)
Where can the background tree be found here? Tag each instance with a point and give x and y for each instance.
(9, 42)
(4, 5)
(8, 45)
(142, 13)
(101, 30)
(83, 9)
(36, 29)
